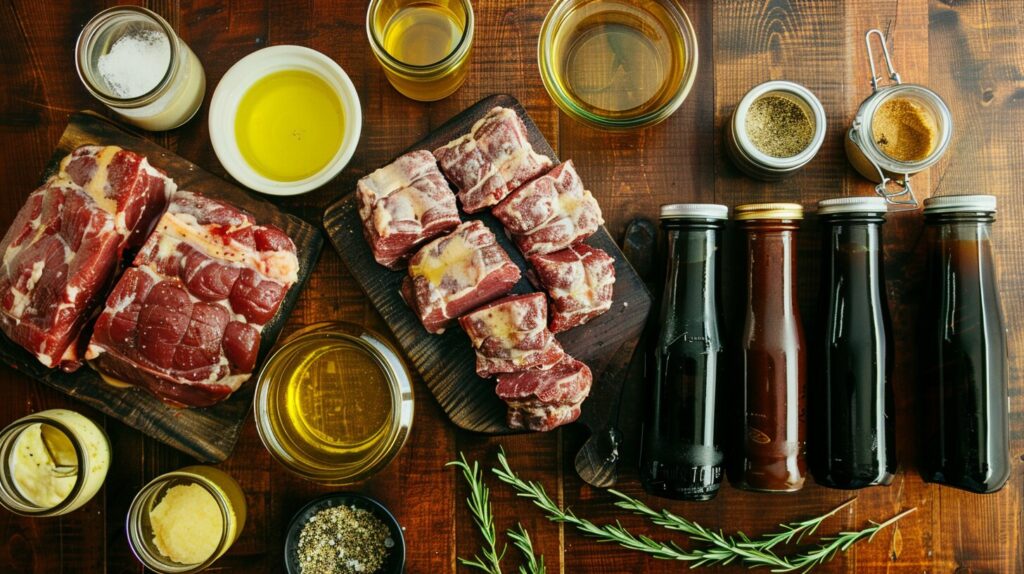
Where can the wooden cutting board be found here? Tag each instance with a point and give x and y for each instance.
(447, 361)
(209, 434)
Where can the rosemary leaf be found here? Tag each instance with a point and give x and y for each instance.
(521, 540)
(480, 506)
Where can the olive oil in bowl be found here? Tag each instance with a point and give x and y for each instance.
(334, 403)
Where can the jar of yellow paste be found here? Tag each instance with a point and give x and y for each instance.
(183, 521)
(51, 463)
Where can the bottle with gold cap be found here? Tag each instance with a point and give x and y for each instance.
(770, 451)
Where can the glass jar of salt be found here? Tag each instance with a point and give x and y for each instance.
(131, 59)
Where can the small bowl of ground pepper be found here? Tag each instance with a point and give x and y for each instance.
(344, 533)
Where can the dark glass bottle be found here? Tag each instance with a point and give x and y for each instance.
(964, 366)
(681, 453)
(853, 442)
(771, 447)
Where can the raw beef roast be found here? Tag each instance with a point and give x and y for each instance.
(512, 335)
(542, 399)
(580, 281)
(551, 212)
(65, 245)
(404, 204)
(456, 273)
(492, 160)
(185, 320)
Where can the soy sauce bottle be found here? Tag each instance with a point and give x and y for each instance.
(853, 442)
(770, 451)
(964, 365)
(681, 453)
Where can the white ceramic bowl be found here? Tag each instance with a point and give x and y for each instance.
(237, 81)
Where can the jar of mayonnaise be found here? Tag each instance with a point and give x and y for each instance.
(131, 59)
(51, 463)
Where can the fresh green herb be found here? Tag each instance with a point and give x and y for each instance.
(829, 546)
(480, 506)
(521, 540)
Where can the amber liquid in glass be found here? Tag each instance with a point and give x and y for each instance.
(964, 365)
(771, 446)
(681, 452)
(852, 404)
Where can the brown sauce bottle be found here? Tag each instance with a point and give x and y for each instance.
(770, 447)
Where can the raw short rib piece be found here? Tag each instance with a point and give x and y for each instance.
(185, 320)
(404, 204)
(579, 280)
(456, 273)
(551, 212)
(64, 247)
(492, 160)
(512, 335)
(541, 400)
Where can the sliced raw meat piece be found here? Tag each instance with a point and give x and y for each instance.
(404, 204)
(579, 280)
(551, 212)
(185, 320)
(541, 400)
(64, 247)
(492, 160)
(456, 273)
(512, 335)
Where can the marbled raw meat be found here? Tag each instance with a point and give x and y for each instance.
(185, 320)
(492, 160)
(456, 273)
(579, 280)
(64, 247)
(511, 335)
(405, 204)
(551, 212)
(542, 399)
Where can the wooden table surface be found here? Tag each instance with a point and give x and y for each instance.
(970, 51)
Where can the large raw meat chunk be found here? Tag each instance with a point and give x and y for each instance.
(579, 280)
(456, 273)
(64, 247)
(551, 212)
(185, 320)
(404, 204)
(492, 160)
(541, 400)
(512, 335)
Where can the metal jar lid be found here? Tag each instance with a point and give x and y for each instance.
(694, 211)
(870, 204)
(960, 203)
(768, 211)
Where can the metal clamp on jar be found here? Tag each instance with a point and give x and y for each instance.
(899, 130)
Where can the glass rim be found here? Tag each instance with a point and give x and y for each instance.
(393, 63)
(866, 114)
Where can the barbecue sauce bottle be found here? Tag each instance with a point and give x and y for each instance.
(770, 451)
(681, 453)
(852, 407)
(964, 368)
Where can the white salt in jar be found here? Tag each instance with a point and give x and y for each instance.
(130, 59)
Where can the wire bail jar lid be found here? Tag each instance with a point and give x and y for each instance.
(960, 203)
(869, 204)
(783, 211)
(694, 211)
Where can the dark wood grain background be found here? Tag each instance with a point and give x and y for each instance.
(970, 51)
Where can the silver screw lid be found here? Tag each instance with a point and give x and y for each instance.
(694, 210)
(955, 203)
(863, 204)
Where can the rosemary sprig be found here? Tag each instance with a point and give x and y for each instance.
(480, 506)
(829, 546)
(521, 540)
(793, 530)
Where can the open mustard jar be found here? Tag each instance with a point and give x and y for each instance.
(899, 130)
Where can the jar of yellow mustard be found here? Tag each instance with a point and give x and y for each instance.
(183, 521)
(51, 463)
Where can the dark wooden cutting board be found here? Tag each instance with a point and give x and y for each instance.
(446, 361)
(209, 434)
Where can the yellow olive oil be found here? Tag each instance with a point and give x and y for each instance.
(422, 33)
(289, 125)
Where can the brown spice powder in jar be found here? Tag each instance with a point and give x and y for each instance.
(779, 126)
(903, 130)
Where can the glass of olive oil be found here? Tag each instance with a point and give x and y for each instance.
(334, 403)
(423, 45)
(618, 63)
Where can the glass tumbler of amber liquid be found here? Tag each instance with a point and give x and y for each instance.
(770, 452)
(423, 45)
